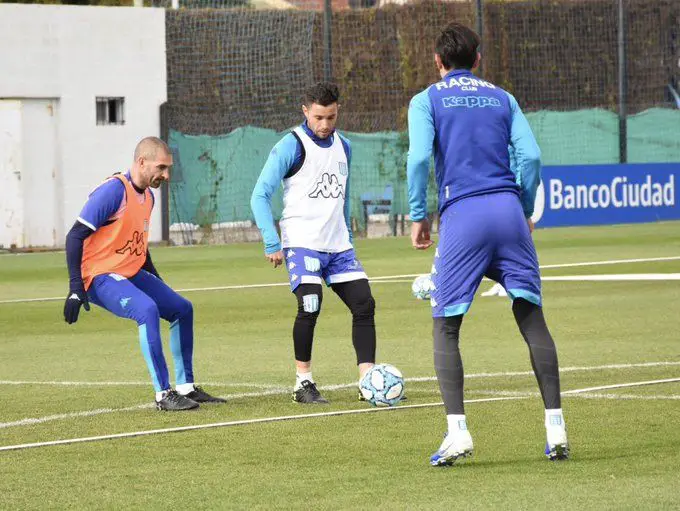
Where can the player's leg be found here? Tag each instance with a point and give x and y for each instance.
(543, 354)
(449, 365)
(304, 271)
(461, 258)
(309, 299)
(542, 350)
(515, 266)
(119, 296)
(346, 276)
(179, 311)
(357, 296)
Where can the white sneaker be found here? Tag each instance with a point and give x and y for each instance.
(557, 445)
(454, 446)
(496, 290)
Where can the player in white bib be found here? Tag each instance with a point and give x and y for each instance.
(313, 162)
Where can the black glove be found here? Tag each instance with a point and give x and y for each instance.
(76, 297)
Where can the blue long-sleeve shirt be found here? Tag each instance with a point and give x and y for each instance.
(471, 126)
(284, 160)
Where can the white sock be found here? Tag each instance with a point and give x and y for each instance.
(160, 395)
(457, 423)
(554, 418)
(300, 377)
(184, 388)
(555, 429)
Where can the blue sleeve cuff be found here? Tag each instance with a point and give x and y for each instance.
(271, 249)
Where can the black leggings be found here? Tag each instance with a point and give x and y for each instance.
(357, 296)
(449, 365)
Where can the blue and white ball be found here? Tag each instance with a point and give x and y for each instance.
(382, 385)
(422, 287)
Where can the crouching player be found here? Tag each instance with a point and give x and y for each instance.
(109, 265)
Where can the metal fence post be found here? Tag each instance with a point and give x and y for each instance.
(327, 29)
(623, 89)
(480, 28)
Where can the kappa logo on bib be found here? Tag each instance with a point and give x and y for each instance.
(328, 187)
(135, 245)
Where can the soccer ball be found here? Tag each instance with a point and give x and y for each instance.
(422, 287)
(382, 385)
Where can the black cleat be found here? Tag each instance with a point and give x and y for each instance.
(201, 396)
(175, 402)
(308, 393)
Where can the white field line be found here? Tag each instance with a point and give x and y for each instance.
(419, 379)
(589, 394)
(621, 277)
(613, 277)
(240, 423)
(587, 390)
(639, 397)
(613, 261)
(278, 390)
(373, 279)
(561, 265)
(311, 416)
(620, 386)
(90, 413)
(340, 386)
(134, 383)
(72, 415)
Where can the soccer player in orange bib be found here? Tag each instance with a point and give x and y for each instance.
(109, 265)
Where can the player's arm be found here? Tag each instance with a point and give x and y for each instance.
(148, 262)
(149, 266)
(75, 240)
(526, 157)
(99, 208)
(421, 140)
(280, 162)
(348, 211)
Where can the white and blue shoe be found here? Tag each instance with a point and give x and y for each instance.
(557, 445)
(454, 447)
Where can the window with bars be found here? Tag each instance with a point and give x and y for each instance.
(110, 111)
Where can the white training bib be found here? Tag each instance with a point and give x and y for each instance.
(314, 199)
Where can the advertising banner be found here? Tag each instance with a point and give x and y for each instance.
(607, 194)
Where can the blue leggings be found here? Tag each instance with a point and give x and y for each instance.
(145, 299)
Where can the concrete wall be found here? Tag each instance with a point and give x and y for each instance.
(69, 55)
(11, 193)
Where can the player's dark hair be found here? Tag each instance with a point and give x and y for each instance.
(457, 46)
(322, 93)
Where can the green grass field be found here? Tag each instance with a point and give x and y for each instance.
(89, 379)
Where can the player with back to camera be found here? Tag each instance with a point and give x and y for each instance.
(486, 199)
(110, 265)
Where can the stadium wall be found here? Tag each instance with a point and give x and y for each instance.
(55, 62)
